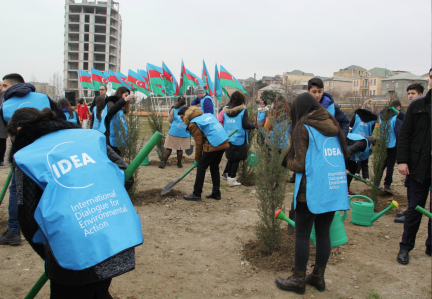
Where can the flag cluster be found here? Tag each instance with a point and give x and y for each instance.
(161, 81)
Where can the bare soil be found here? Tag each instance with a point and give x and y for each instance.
(208, 249)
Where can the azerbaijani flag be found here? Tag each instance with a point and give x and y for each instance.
(217, 87)
(123, 78)
(137, 81)
(208, 84)
(116, 81)
(106, 75)
(85, 79)
(98, 79)
(169, 81)
(192, 79)
(155, 74)
(183, 88)
(226, 79)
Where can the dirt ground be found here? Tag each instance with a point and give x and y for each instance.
(197, 249)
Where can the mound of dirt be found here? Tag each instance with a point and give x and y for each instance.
(154, 196)
(172, 161)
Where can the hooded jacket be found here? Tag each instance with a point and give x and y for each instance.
(340, 116)
(22, 89)
(29, 194)
(319, 120)
(199, 136)
(365, 115)
(114, 104)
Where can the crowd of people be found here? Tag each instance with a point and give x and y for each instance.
(320, 141)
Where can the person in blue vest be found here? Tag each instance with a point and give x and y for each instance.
(52, 156)
(203, 98)
(390, 161)
(211, 141)
(236, 117)
(359, 150)
(261, 118)
(20, 94)
(317, 154)
(363, 123)
(99, 105)
(68, 111)
(316, 88)
(178, 137)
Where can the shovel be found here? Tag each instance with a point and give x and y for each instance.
(172, 184)
(189, 151)
(367, 183)
(6, 185)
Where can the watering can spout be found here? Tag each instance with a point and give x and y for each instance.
(394, 204)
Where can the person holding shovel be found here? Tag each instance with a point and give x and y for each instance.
(177, 137)
(211, 141)
(66, 209)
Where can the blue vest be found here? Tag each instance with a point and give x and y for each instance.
(85, 213)
(32, 99)
(178, 128)
(102, 127)
(326, 180)
(202, 104)
(331, 109)
(280, 126)
(392, 142)
(232, 123)
(119, 118)
(96, 123)
(260, 117)
(210, 126)
(363, 128)
(359, 156)
(73, 119)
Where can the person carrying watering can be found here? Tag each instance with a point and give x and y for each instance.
(66, 209)
(317, 154)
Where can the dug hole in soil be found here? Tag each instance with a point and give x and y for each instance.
(208, 249)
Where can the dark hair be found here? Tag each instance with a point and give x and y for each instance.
(264, 101)
(100, 105)
(303, 105)
(80, 101)
(182, 111)
(181, 101)
(418, 87)
(396, 103)
(237, 98)
(24, 116)
(14, 78)
(120, 91)
(315, 82)
(63, 103)
(105, 88)
(281, 104)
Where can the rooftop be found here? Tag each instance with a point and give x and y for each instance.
(405, 76)
(273, 87)
(298, 72)
(352, 68)
(337, 78)
(377, 72)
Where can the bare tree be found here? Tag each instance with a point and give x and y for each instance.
(56, 82)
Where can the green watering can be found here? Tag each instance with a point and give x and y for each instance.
(423, 211)
(252, 159)
(337, 230)
(363, 212)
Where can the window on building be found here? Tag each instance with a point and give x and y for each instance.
(87, 18)
(85, 65)
(387, 85)
(371, 82)
(375, 82)
(330, 84)
(86, 37)
(86, 47)
(397, 84)
(370, 92)
(85, 56)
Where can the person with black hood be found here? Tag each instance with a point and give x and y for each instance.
(17, 95)
(67, 230)
(3, 131)
(316, 88)
(236, 117)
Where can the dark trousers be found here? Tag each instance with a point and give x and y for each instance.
(304, 221)
(211, 159)
(419, 193)
(232, 167)
(364, 167)
(2, 149)
(96, 290)
(408, 186)
(352, 168)
(389, 163)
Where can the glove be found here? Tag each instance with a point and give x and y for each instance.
(196, 163)
(129, 97)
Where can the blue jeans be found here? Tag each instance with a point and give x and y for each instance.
(13, 224)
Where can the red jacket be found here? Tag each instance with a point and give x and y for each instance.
(83, 111)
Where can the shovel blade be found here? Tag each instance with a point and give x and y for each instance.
(189, 151)
(169, 187)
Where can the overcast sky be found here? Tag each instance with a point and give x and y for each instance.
(245, 36)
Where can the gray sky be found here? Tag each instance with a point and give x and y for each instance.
(245, 36)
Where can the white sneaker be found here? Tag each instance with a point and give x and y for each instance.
(232, 182)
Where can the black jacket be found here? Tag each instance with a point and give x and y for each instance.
(113, 104)
(340, 116)
(22, 89)
(29, 194)
(238, 152)
(414, 140)
(365, 115)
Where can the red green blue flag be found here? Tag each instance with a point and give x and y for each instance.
(208, 84)
(98, 79)
(226, 79)
(192, 79)
(116, 81)
(217, 88)
(169, 80)
(85, 79)
(137, 81)
(182, 88)
(156, 79)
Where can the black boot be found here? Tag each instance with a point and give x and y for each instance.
(316, 279)
(179, 165)
(294, 283)
(11, 238)
(192, 197)
(162, 165)
(216, 196)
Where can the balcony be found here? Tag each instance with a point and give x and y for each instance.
(72, 75)
(101, 10)
(73, 65)
(74, 18)
(99, 48)
(100, 29)
(74, 27)
(114, 33)
(99, 66)
(99, 57)
(99, 38)
(73, 47)
(74, 37)
(113, 51)
(113, 41)
(100, 20)
(73, 56)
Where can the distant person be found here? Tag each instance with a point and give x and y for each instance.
(69, 112)
(3, 131)
(97, 112)
(260, 120)
(203, 98)
(414, 160)
(103, 94)
(316, 88)
(83, 113)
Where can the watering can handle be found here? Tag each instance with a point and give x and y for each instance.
(345, 215)
(362, 196)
